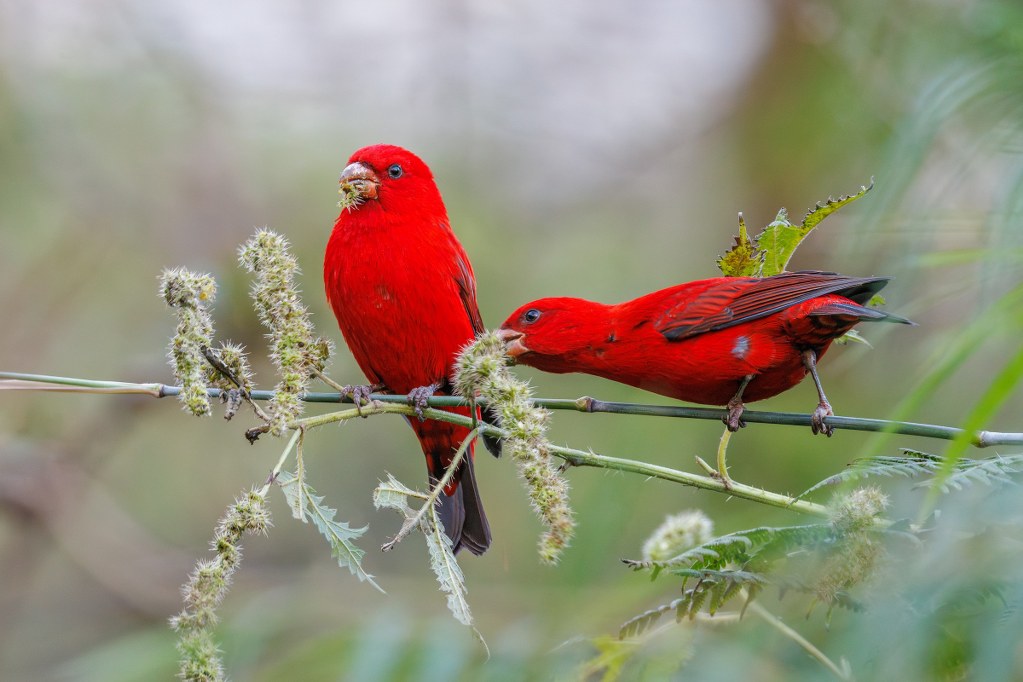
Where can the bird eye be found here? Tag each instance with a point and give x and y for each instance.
(531, 315)
(395, 171)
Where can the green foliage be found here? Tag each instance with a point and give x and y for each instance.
(744, 259)
(393, 494)
(294, 349)
(481, 370)
(678, 533)
(770, 251)
(723, 567)
(190, 295)
(824, 560)
(207, 587)
(913, 463)
(306, 504)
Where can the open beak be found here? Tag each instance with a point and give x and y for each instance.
(358, 183)
(513, 345)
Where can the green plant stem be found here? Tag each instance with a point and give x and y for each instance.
(980, 439)
(295, 438)
(431, 499)
(583, 458)
(806, 644)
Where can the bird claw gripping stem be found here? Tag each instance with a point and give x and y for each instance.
(360, 394)
(419, 398)
(817, 424)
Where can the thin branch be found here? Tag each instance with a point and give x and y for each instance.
(775, 622)
(431, 500)
(296, 439)
(980, 439)
(583, 458)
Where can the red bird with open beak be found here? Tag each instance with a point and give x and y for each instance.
(404, 295)
(720, 341)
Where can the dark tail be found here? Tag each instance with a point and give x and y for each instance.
(859, 313)
(462, 513)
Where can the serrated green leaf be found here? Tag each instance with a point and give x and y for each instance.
(448, 572)
(294, 489)
(339, 535)
(393, 494)
(295, 494)
(780, 239)
(743, 259)
(822, 211)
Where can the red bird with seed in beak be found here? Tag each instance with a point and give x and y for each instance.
(404, 295)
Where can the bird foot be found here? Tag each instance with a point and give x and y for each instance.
(733, 420)
(419, 396)
(360, 394)
(817, 424)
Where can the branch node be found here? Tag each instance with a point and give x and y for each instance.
(253, 434)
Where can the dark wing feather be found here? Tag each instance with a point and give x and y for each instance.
(467, 291)
(745, 299)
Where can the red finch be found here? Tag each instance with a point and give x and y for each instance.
(716, 341)
(404, 295)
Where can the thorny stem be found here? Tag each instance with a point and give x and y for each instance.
(807, 645)
(980, 439)
(431, 500)
(296, 438)
(584, 458)
(722, 454)
(327, 380)
(390, 404)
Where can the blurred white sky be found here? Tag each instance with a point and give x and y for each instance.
(586, 84)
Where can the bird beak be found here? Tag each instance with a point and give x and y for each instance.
(513, 345)
(358, 184)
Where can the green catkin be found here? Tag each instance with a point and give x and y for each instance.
(207, 586)
(190, 294)
(677, 534)
(294, 350)
(481, 370)
(853, 516)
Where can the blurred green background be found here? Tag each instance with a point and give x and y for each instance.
(596, 149)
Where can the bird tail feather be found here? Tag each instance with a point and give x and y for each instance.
(462, 513)
(859, 312)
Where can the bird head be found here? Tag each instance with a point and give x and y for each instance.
(554, 334)
(388, 178)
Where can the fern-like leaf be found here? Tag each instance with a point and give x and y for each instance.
(995, 470)
(740, 547)
(340, 535)
(913, 463)
(634, 627)
(740, 578)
